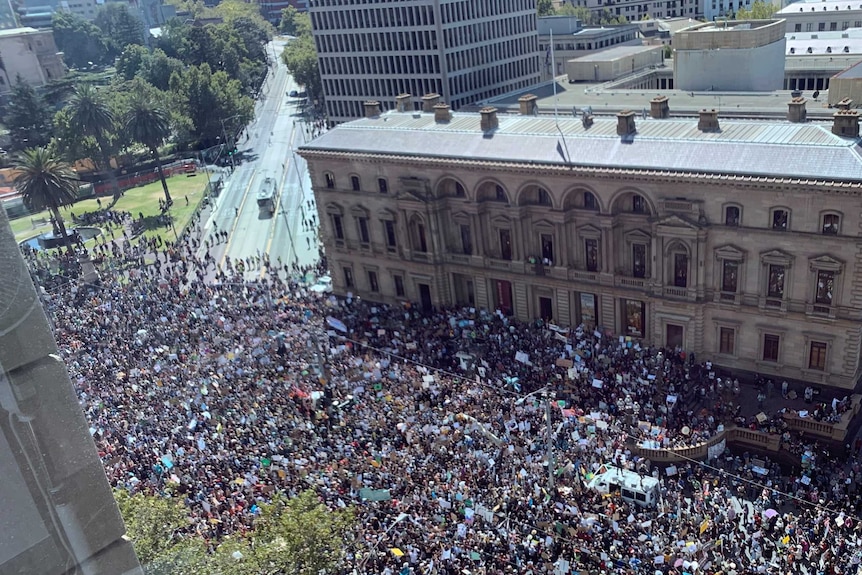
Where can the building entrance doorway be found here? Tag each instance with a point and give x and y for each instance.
(673, 335)
(425, 296)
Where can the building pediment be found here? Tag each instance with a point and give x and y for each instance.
(637, 236)
(825, 262)
(589, 231)
(678, 221)
(776, 257)
(729, 252)
(542, 224)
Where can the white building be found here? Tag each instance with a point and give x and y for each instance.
(30, 53)
(730, 56)
(573, 40)
(465, 51)
(822, 15)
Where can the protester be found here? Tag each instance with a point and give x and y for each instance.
(431, 424)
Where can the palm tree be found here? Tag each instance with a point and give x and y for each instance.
(45, 183)
(148, 122)
(92, 116)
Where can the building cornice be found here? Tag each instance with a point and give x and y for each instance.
(628, 174)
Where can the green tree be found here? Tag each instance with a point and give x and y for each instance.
(147, 122)
(27, 117)
(131, 61)
(92, 116)
(545, 7)
(209, 98)
(159, 67)
(299, 536)
(119, 26)
(287, 25)
(45, 183)
(760, 10)
(300, 57)
(581, 12)
(81, 42)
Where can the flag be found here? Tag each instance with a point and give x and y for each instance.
(548, 57)
(336, 324)
(561, 151)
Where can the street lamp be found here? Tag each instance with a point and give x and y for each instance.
(549, 446)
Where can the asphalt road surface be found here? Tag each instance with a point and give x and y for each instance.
(266, 151)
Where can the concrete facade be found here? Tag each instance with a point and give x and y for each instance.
(614, 63)
(752, 270)
(821, 15)
(730, 57)
(30, 53)
(59, 514)
(463, 50)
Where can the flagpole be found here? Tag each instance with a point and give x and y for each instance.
(568, 158)
(554, 73)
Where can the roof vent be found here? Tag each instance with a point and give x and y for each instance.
(810, 50)
(626, 123)
(659, 108)
(828, 49)
(708, 121)
(442, 113)
(489, 119)
(372, 109)
(403, 102)
(429, 101)
(796, 111)
(844, 104)
(846, 49)
(793, 50)
(845, 123)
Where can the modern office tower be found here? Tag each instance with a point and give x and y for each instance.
(466, 51)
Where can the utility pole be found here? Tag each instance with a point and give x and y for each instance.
(550, 446)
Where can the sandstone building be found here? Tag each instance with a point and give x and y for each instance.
(738, 240)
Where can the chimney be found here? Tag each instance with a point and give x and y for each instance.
(844, 104)
(845, 123)
(626, 123)
(796, 111)
(372, 109)
(528, 105)
(489, 119)
(441, 113)
(708, 121)
(429, 101)
(403, 102)
(658, 107)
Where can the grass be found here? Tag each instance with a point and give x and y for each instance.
(142, 200)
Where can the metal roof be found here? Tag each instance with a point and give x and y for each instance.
(749, 148)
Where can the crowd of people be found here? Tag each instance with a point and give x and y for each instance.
(433, 425)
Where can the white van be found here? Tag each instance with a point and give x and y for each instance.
(632, 487)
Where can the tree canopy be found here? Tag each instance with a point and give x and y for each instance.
(300, 55)
(45, 183)
(760, 10)
(27, 117)
(298, 535)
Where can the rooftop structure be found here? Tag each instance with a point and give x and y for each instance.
(844, 42)
(735, 56)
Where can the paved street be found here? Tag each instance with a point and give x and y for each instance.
(277, 129)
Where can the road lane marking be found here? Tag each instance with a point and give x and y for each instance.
(236, 219)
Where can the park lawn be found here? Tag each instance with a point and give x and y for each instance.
(142, 200)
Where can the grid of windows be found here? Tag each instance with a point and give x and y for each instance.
(465, 51)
